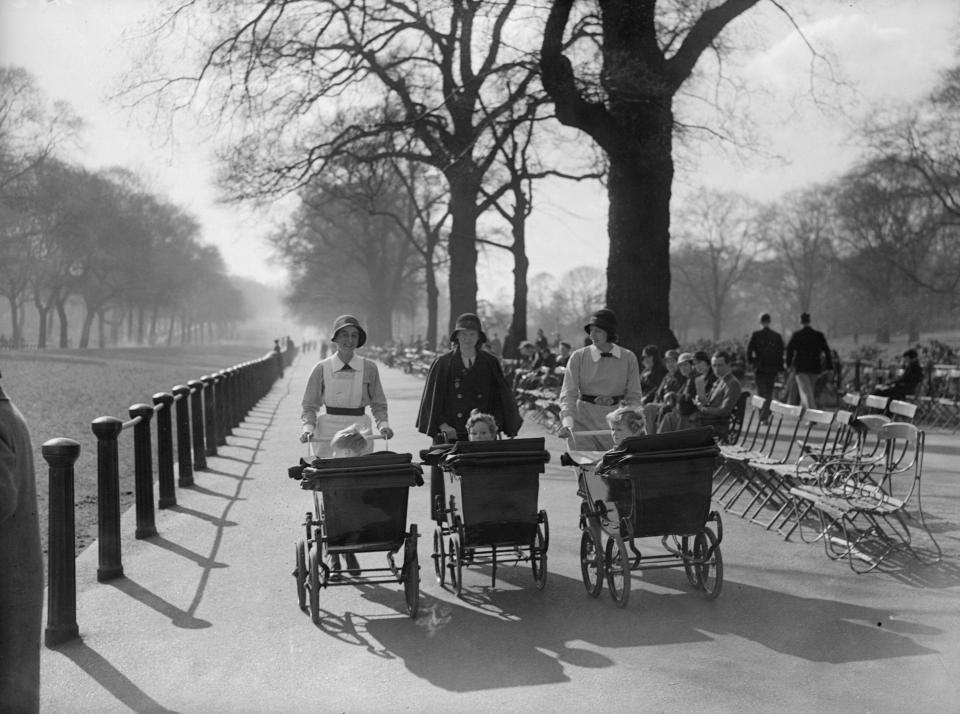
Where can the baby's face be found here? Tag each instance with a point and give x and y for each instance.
(621, 431)
(480, 432)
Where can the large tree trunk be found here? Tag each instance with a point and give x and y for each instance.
(16, 325)
(85, 328)
(638, 268)
(462, 244)
(42, 312)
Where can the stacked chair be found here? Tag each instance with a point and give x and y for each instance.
(848, 478)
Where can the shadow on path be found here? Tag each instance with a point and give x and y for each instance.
(111, 679)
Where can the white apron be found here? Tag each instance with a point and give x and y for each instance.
(342, 390)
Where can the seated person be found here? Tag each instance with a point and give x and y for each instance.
(908, 381)
(687, 394)
(346, 443)
(672, 382)
(670, 419)
(625, 422)
(481, 427)
(564, 355)
(722, 398)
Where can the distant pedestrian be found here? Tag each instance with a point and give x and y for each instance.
(765, 354)
(808, 355)
(21, 566)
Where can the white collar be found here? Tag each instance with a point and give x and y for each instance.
(595, 352)
(339, 364)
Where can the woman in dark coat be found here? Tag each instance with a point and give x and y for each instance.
(464, 379)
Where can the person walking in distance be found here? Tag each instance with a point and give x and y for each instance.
(808, 355)
(765, 354)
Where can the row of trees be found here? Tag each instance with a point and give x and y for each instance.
(100, 238)
(413, 132)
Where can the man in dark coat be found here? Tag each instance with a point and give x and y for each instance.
(765, 354)
(21, 566)
(808, 355)
(459, 381)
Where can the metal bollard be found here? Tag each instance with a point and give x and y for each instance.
(222, 403)
(166, 488)
(107, 429)
(210, 413)
(181, 393)
(61, 455)
(196, 420)
(143, 471)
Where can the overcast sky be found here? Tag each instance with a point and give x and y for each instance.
(891, 49)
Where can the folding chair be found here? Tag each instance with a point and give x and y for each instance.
(870, 510)
(750, 435)
(852, 400)
(901, 411)
(875, 404)
(754, 481)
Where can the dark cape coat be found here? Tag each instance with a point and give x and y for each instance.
(434, 406)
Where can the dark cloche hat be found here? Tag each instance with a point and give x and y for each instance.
(606, 320)
(468, 321)
(348, 321)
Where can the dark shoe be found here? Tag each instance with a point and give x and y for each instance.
(353, 565)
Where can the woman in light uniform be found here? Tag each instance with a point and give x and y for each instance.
(344, 385)
(599, 378)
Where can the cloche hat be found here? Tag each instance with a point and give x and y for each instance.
(468, 321)
(684, 358)
(348, 321)
(606, 320)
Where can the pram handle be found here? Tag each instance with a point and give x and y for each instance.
(371, 437)
(572, 439)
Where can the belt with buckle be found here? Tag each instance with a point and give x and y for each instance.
(344, 411)
(602, 401)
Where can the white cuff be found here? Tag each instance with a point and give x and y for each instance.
(308, 428)
(567, 421)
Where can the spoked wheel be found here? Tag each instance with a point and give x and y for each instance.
(711, 571)
(301, 574)
(538, 556)
(439, 557)
(543, 521)
(591, 563)
(315, 566)
(693, 573)
(455, 564)
(411, 584)
(617, 564)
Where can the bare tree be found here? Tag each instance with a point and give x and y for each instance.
(304, 80)
(719, 240)
(648, 54)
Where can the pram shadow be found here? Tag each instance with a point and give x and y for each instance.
(516, 636)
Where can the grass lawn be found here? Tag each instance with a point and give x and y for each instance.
(61, 391)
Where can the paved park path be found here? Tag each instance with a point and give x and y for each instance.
(206, 619)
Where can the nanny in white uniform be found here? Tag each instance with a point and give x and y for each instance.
(599, 378)
(343, 385)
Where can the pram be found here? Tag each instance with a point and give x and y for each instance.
(359, 506)
(491, 511)
(650, 486)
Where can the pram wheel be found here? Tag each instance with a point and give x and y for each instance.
(692, 571)
(456, 564)
(315, 569)
(411, 573)
(617, 565)
(538, 555)
(710, 571)
(591, 563)
(439, 556)
(301, 573)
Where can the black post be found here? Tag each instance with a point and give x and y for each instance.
(181, 394)
(163, 403)
(60, 455)
(196, 417)
(209, 413)
(222, 403)
(143, 471)
(107, 429)
(856, 376)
